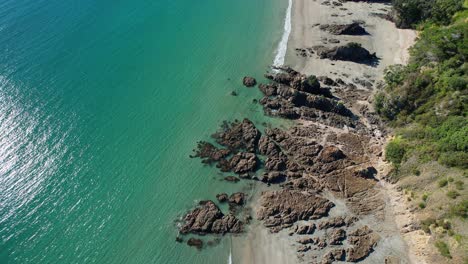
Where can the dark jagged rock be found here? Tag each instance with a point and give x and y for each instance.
(209, 153)
(222, 197)
(231, 179)
(350, 52)
(303, 248)
(327, 81)
(179, 239)
(237, 199)
(305, 229)
(338, 221)
(344, 29)
(330, 154)
(228, 224)
(202, 219)
(249, 81)
(319, 242)
(274, 177)
(333, 255)
(243, 162)
(305, 240)
(195, 242)
(336, 237)
(238, 135)
(268, 147)
(288, 206)
(297, 81)
(362, 241)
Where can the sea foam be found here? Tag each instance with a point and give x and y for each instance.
(283, 44)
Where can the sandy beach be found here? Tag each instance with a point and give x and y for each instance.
(391, 47)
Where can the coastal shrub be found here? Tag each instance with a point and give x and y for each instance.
(443, 10)
(422, 205)
(409, 13)
(453, 194)
(313, 82)
(424, 197)
(426, 224)
(459, 185)
(443, 249)
(443, 182)
(459, 209)
(395, 152)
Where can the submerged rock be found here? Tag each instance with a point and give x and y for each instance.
(249, 81)
(195, 242)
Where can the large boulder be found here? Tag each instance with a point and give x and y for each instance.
(350, 52)
(344, 29)
(208, 218)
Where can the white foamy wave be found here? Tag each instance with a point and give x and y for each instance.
(230, 258)
(283, 44)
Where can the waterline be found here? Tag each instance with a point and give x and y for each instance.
(283, 44)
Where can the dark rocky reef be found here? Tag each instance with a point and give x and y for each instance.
(281, 209)
(350, 52)
(238, 135)
(354, 28)
(207, 218)
(293, 95)
(249, 81)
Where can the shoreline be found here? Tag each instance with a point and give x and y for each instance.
(392, 45)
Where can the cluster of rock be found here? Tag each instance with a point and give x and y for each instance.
(293, 95)
(350, 52)
(354, 28)
(306, 160)
(208, 218)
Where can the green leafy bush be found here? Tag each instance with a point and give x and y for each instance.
(395, 152)
(443, 249)
(453, 194)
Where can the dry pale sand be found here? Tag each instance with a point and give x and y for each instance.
(391, 46)
(389, 43)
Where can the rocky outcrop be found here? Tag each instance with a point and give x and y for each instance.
(238, 135)
(285, 207)
(362, 241)
(333, 255)
(237, 199)
(338, 221)
(208, 153)
(208, 218)
(249, 81)
(335, 237)
(350, 52)
(222, 197)
(242, 162)
(305, 229)
(344, 29)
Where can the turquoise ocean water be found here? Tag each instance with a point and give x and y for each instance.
(101, 102)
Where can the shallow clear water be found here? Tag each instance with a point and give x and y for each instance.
(101, 102)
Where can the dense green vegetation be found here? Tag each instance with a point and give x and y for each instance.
(411, 12)
(426, 102)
